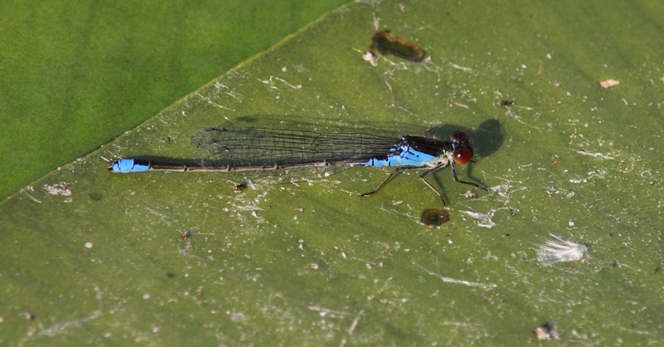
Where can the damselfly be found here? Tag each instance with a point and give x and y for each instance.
(236, 149)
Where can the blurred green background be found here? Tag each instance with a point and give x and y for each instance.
(73, 75)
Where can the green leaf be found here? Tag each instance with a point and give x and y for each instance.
(311, 263)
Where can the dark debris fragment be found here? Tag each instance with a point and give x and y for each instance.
(387, 43)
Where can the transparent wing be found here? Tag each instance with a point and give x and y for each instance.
(241, 149)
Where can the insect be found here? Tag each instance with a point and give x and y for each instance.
(237, 149)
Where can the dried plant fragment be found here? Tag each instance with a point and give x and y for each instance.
(608, 83)
(387, 43)
(546, 331)
(433, 217)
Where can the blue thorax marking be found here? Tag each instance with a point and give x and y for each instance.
(401, 154)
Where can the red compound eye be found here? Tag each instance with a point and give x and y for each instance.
(462, 155)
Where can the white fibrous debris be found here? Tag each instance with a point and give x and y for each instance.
(58, 189)
(559, 250)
